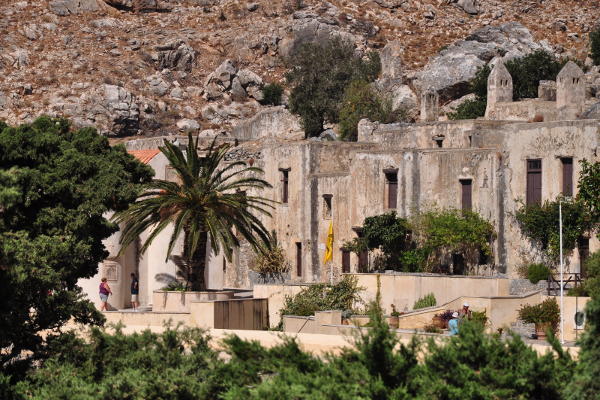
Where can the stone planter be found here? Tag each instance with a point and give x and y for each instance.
(540, 330)
(179, 301)
(394, 322)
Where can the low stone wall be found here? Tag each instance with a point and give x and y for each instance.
(275, 294)
(177, 301)
(245, 314)
(404, 289)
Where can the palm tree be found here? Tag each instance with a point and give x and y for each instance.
(205, 201)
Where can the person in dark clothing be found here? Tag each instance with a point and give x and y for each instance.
(135, 290)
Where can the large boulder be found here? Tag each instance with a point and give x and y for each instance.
(135, 5)
(67, 7)
(176, 55)
(308, 30)
(468, 6)
(451, 70)
(112, 109)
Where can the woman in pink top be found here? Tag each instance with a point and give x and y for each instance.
(104, 292)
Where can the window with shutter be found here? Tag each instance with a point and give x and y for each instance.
(534, 182)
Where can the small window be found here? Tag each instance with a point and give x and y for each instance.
(298, 259)
(534, 182)
(224, 264)
(284, 185)
(567, 176)
(466, 186)
(439, 143)
(327, 198)
(391, 183)
(345, 261)
(470, 141)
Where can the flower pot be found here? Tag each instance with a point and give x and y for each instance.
(394, 322)
(540, 330)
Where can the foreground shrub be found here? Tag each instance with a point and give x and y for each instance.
(179, 364)
(425, 301)
(537, 272)
(322, 297)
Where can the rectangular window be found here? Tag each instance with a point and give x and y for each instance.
(466, 186)
(534, 182)
(391, 182)
(327, 206)
(284, 185)
(224, 264)
(567, 176)
(345, 261)
(363, 261)
(299, 259)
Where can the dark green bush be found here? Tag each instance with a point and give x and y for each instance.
(469, 109)
(319, 75)
(537, 272)
(272, 94)
(595, 46)
(540, 224)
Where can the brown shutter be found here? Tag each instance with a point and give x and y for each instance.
(363, 261)
(534, 182)
(299, 259)
(466, 186)
(567, 175)
(391, 178)
(345, 261)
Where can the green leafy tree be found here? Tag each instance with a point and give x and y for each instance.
(390, 234)
(540, 223)
(595, 46)
(441, 233)
(589, 190)
(362, 101)
(208, 198)
(56, 185)
(319, 75)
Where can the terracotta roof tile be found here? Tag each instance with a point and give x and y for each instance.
(144, 155)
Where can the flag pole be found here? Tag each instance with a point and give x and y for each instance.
(562, 304)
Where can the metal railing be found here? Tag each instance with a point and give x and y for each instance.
(571, 280)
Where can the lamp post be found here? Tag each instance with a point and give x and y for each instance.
(562, 304)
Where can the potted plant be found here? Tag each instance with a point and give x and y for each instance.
(394, 320)
(441, 320)
(544, 315)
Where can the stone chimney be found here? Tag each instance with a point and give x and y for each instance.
(499, 87)
(430, 108)
(570, 91)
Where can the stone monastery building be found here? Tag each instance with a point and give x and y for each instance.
(521, 152)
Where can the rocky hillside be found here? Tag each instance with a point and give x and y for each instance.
(153, 67)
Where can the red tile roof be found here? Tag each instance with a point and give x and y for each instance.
(144, 155)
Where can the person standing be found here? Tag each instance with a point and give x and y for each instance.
(453, 324)
(135, 290)
(104, 293)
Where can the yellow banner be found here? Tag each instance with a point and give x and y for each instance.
(329, 244)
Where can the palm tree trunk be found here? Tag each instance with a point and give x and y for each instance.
(197, 262)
